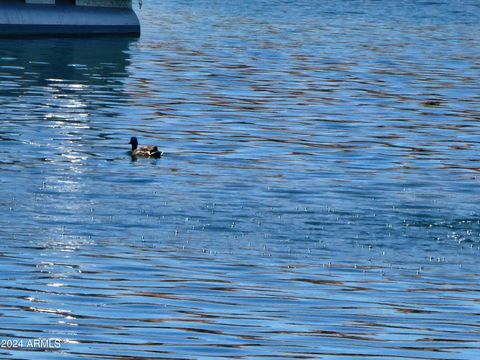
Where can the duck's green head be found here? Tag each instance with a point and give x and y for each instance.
(133, 142)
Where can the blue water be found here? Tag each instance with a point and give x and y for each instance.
(318, 197)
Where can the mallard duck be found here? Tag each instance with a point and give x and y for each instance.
(144, 151)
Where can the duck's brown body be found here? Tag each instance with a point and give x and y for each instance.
(147, 151)
(144, 151)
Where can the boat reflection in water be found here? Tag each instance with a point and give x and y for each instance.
(38, 61)
(49, 88)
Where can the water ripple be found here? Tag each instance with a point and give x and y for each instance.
(317, 197)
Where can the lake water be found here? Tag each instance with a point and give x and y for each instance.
(318, 197)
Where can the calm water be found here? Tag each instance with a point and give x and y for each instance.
(319, 196)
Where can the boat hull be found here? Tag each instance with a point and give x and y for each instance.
(33, 19)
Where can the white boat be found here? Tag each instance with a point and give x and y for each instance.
(67, 17)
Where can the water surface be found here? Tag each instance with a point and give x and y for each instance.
(318, 197)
